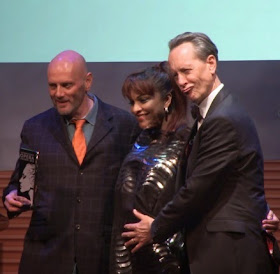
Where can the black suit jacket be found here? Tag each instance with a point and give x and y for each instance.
(222, 203)
(73, 211)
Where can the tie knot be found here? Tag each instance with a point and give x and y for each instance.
(196, 113)
(79, 123)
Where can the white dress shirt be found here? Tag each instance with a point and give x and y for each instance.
(206, 103)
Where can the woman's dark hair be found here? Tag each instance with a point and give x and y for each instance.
(157, 79)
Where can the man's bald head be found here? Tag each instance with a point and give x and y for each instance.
(69, 82)
(70, 57)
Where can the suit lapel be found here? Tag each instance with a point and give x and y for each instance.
(216, 102)
(58, 129)
(102, 126)
(218, 99)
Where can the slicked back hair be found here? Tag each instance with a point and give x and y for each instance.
(201, 42)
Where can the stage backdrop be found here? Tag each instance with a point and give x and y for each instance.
(120, 37)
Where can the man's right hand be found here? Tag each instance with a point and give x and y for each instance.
(139, 234)
(13, 202)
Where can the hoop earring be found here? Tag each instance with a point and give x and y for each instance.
(166, 112)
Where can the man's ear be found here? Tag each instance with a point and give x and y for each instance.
(88, 81)
(212, 63)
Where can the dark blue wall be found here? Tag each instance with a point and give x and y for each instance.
(24, 93)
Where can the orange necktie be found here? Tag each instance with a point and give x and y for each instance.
(79, 140)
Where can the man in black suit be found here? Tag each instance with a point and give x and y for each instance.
(222, 204)
(70, 227)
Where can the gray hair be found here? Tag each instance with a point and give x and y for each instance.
(201, 42)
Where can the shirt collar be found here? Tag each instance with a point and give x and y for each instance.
(206, 103)
(91, 116)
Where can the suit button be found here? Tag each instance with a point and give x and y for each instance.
(81, 173)
(78, 227)
(78, 199)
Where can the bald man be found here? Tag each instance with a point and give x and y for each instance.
(71, 222)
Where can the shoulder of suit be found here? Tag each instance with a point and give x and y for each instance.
(45, 115)
(113, 110)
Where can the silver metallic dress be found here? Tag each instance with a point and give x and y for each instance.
(147, 181)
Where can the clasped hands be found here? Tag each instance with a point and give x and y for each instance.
(139, 234)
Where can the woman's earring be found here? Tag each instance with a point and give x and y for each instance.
(166, 111)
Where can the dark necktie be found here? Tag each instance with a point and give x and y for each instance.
(197, 116)
(196, 113)
(79, 140)
(191, 139)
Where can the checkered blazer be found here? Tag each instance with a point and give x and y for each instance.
(72, 218)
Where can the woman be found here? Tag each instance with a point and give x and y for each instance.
(149, 176)
(151, 172)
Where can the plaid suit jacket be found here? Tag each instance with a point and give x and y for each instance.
(72, 218)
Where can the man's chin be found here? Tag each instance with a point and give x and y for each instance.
(63, 111)
(194, 99)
